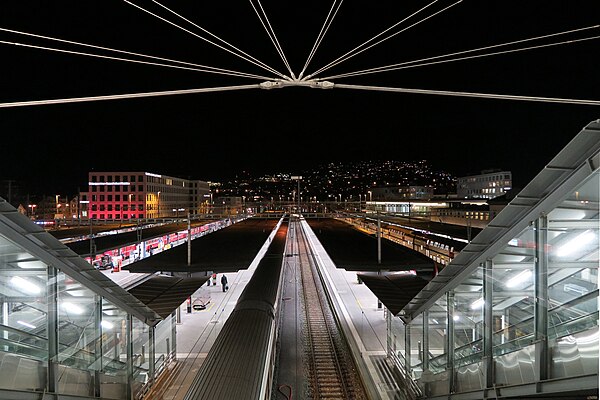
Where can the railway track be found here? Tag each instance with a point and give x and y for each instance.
(331, 370)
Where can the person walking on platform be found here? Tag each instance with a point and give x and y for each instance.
(224, 283)
(214, 279)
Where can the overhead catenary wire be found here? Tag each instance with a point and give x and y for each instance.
(272, 35)
(127, 96)
(450, 57)
(80, 53)
(199, 66)
(206, 40)
(427, 61)
(321, 35)
(357, 50)
(215, 36)
(470, 94)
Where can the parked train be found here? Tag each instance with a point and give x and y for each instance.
(440, 249)
(240, 363)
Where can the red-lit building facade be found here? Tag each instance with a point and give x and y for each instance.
(138, 195)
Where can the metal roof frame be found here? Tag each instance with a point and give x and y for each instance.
(575, 162)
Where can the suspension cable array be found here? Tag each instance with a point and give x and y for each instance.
(277, 79)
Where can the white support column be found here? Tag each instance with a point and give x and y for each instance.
(173, 339)
(540, 306)
(407, 364)
(488, 361)
(450, 340)
(425, 340)
(52, 329)
(5, 322)
(97, 344)
(151, 356)
(129, 344)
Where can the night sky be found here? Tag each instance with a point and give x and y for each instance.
(210, 136)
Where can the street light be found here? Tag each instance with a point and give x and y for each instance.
(158, 206)
(32, 212)
(298, 178)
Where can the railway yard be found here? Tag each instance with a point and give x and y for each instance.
(324, 335)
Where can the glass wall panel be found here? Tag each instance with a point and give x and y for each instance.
(24, 300)
(77, 330)
(114, 351)
(513, 294)
(163, 342)
(114, 342)
(23, 306)
(573, 261)
(23, 318)
(78, 333)
(416, 346)
(141, 346)
(396, 339)
(437, 327)
(468, 320)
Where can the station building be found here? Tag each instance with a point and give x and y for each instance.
(402, 193)
(487, 185)
(137, 195)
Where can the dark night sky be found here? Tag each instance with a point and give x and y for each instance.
(208, 136)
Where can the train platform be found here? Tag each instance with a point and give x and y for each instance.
(197, 330)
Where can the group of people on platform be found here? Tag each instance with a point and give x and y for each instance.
(224, 284)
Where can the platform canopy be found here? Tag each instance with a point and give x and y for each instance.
(355, 250)
(164, 294)
(393, 289)
(130, 234)
(227, 250)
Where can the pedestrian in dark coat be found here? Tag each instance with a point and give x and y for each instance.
(224, 283)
